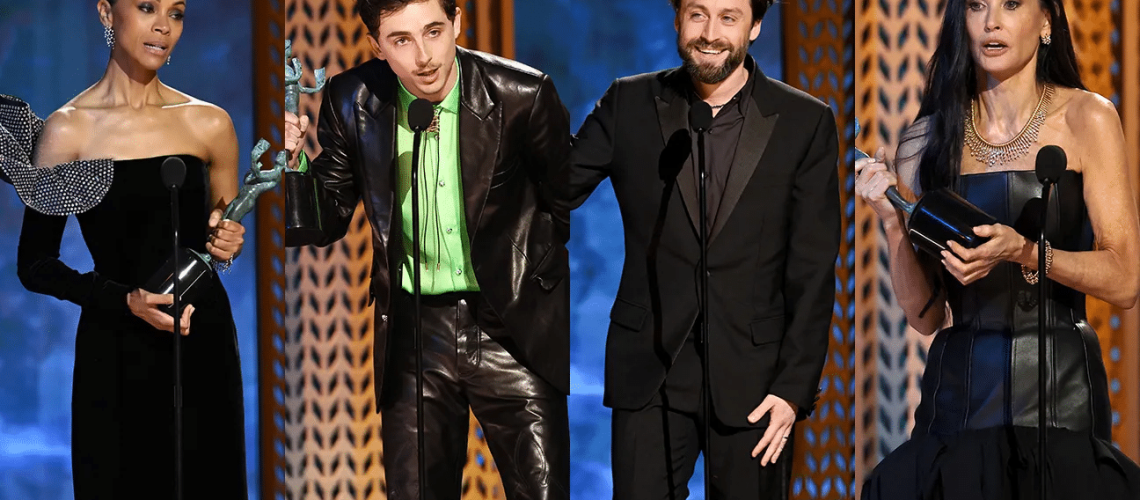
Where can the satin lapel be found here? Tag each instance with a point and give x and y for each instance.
(754, 137)
(480, 128)
(673, 116)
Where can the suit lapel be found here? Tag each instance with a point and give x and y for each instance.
(376, 130)
(673, 116)
(759, 122)
(479, 134)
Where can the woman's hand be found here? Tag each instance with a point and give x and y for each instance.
(226, 237)
(145, 305)
(872, 179)
(972, 264)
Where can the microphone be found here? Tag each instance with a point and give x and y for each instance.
(700, 116)
(420, 115)
(173, 172)
(700, 120)
(1051, 164)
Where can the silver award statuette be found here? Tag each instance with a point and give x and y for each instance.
(939, 216)
(196, 269)
(302, 210)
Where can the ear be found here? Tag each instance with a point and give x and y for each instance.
(105, 17)
(752, 35)
(376, 50)
(457, 24)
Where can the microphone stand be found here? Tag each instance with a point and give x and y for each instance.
(1042, 317)
(417, 130)
(702, 197)
(174, 184)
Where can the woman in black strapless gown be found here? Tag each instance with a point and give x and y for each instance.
(122, 401)
(1002, 85)
(122, 412)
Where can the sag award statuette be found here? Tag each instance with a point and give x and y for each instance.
(302, 210)
(197, 269)
(939, 216)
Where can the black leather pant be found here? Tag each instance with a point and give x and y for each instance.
(523, 417)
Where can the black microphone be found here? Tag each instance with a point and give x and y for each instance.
(700, 120)
(420, 115)
(700, 116)
(173, 172)
(1051, 164)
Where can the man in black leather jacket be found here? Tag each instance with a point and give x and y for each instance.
(494, 264)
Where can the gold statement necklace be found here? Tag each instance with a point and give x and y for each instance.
(998, 154)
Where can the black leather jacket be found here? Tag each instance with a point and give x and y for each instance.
(514, 151)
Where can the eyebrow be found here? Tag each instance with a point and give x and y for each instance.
(437, 24)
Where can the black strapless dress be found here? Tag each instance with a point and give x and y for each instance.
(122, 424)
(975, 433)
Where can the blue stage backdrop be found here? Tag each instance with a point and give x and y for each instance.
(584, 45)
(49, 52)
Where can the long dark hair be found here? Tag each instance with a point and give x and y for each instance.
(952, 82)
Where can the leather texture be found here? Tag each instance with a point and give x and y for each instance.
(982, 371)
(514, 148)
(523, 416)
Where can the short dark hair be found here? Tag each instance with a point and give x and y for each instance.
(372, 10)
(759, 8)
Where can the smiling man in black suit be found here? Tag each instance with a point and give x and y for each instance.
(774, 226)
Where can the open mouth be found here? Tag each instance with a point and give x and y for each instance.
(155, 47)
(711, 52)
(994, 46)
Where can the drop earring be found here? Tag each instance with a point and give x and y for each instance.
(109, 36)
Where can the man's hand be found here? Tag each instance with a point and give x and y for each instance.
(783, 415)
(295, 130)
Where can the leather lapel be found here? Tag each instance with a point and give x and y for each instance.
(376, 131)
(673, 116)
(480, 129)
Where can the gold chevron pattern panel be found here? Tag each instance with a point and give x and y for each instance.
(818, 60)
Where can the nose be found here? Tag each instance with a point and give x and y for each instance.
(423, 54)
(709, 31)
(992, 20)
(162, 25)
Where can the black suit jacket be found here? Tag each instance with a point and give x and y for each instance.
(772, 250)
(514, 147)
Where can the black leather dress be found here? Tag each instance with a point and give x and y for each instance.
(975, 434)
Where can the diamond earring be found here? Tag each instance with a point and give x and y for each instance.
(168, 60)
(109, 36)
(1047, 39)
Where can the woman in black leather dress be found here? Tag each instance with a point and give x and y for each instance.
(1003, 83)
(122, 412)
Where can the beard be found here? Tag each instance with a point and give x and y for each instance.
(710, 74)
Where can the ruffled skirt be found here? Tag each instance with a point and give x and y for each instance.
(1000, 463)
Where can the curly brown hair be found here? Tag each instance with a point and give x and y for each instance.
(372, 10)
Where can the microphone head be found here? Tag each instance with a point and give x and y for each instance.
(1051, 162)
(420, 115)
(173, 172)
(700, 116)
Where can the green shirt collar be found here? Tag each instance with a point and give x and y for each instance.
(450, 103)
